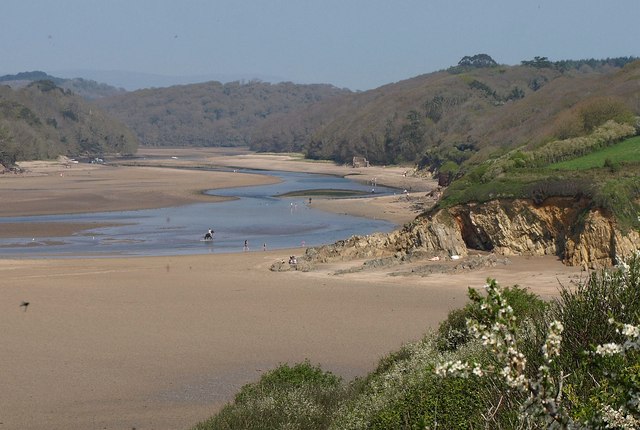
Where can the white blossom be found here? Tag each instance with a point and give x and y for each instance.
(619, 419)
(608, 349)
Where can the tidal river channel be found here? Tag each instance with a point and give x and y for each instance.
(258, 215)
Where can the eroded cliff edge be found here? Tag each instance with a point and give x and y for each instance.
(567, 227)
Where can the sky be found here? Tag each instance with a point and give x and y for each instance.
(355, 44)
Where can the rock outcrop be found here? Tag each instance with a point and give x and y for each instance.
(437, 236)
(566, 227)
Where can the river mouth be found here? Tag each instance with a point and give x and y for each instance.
(275, 216)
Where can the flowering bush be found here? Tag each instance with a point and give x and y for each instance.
(610, 386)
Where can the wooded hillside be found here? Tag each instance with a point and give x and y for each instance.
(210, 114)
(42, 121)
(464, 113)
(85, 88)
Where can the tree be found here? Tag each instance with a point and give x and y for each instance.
(477, 61)
(412, 136)
(538, 62)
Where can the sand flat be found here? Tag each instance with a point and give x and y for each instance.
(161, 342)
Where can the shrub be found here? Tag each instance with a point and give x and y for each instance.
(589, 376)
(404, 393)
(453, 332)
(298, 397)
(595, 112)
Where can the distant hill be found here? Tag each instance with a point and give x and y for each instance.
(132, 81)
(456, 116)
(85, 88)
(41, 120)
(212, 113)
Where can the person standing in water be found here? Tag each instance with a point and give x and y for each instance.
(246, 246)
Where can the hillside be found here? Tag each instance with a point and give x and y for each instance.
(85, 88)
(41, 120)
(464, 113)
(209, 114)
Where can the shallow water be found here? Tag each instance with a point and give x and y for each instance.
(257, 216)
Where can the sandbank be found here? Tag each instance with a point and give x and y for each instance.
(51, 188)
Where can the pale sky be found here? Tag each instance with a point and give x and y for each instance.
(357, 44)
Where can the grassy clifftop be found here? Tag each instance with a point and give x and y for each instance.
(603, 167)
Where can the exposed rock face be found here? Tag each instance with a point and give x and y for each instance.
(564, 227)
(438, 236)
(599, 243)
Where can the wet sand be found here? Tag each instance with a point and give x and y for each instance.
(164, 342)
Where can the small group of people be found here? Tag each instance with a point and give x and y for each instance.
(293, 260)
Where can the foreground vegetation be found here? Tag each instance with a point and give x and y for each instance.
(507, 360)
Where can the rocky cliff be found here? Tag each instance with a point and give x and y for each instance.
(568, 228)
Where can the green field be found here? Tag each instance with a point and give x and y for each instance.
(627, 151)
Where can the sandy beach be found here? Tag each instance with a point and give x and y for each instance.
(164, 342)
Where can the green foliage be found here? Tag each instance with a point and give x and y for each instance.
(516, 94)
(627, 151)
(451, 404)
(484, 88)
(450, 168)
(477, 61)
(585, 312)
(594, 64)
(595, 112)
(620, 197)
(538, 62)
(45, 85)
(526, 174)
(453, 333)
(589, 114)
(467, 190)
(87, 89)
(404, 393)
(297, 397)
(566, 380)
